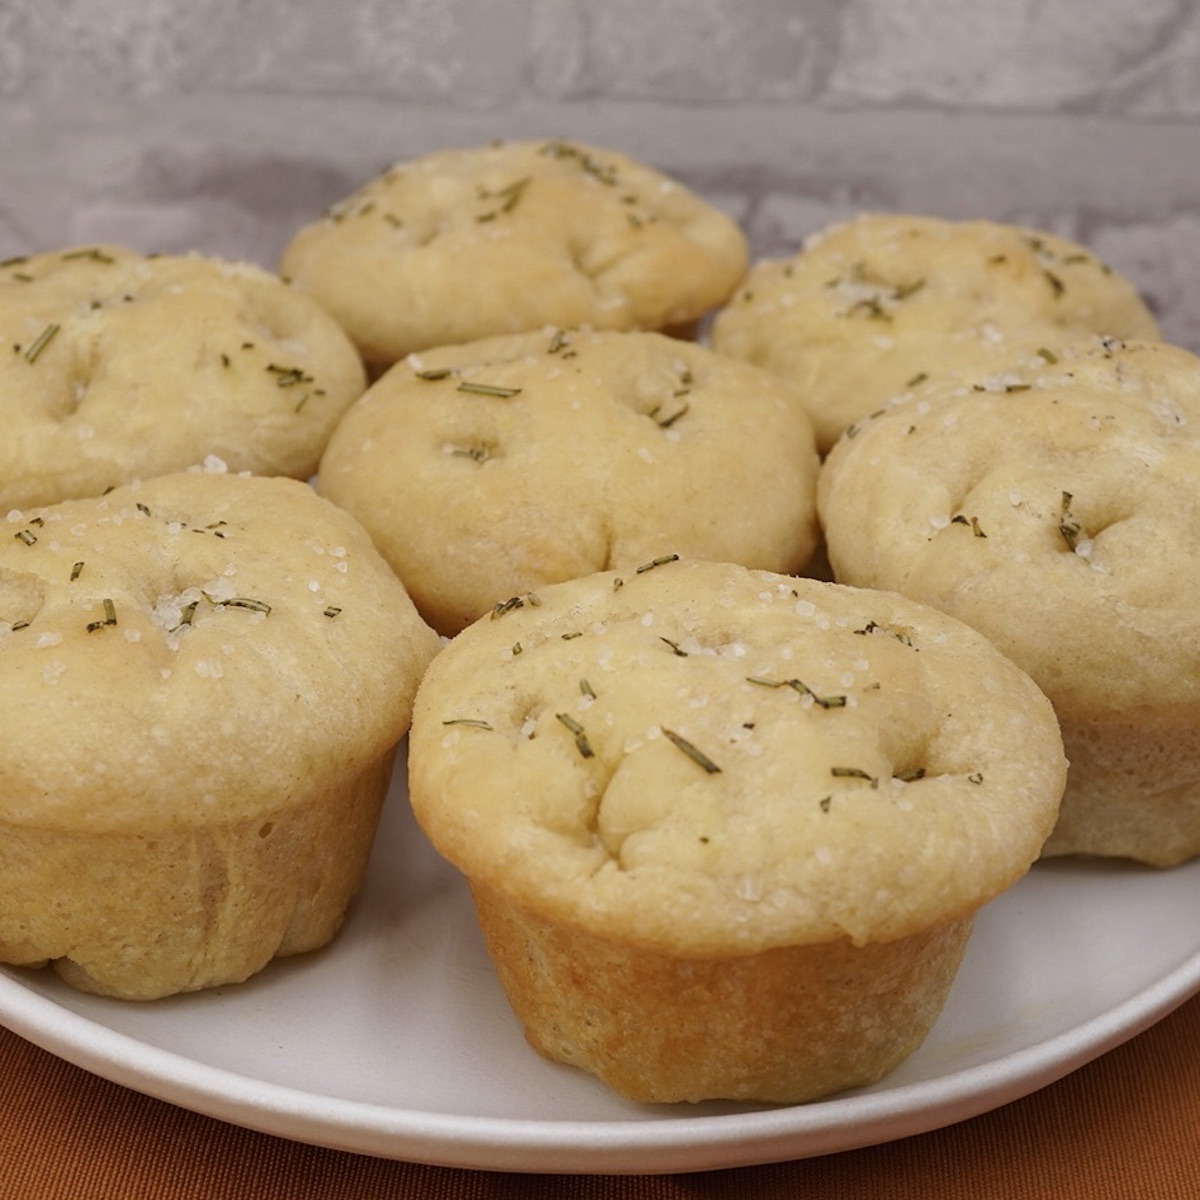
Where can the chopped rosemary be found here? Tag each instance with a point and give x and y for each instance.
(505, 606)
(581, 742)
(667, 422)
(432, 374)
(824, 803)
(330, 610)
(697, 756)
(258, 606)
(919, 377)
(973, 522)
(488, 389)
(1068, 527)
(42, 340)
(557, 341)
(802, 688)
(601, 172)
(904, 290)
(76, 570)
(185, 615)
(92, 252)
(975, 777)
(875, 627)
(656, 562)
(286, 377)
(25, 535)
(110, 617)
(510, 194)
(587, 689)
(872, 308)
(473, 722)
(676, 649)
(910, 775)
(1055, 283)
(853, 773)
(1048, 355)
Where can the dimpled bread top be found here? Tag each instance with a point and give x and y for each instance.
(707, 760)
(190, 631)
(1054, 506)
(870, 306)
(487, 469)
(119, 366)
(462, 244)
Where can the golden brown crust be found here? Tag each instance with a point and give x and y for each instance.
(124, 366)
(783, 1026)
(144, 914)
(1133, 790)
(464, 244)
(488, 469)
(872, 305)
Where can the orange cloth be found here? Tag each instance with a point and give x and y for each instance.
(1126, 1126)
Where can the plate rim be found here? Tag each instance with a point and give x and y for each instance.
(621, 1146)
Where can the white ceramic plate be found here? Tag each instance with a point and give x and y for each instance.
(397, 1041)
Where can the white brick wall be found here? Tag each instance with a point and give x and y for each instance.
(223, 124)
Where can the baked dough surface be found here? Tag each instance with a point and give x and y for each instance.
(204, 679)
(1053, 506)
(487, 469)
(869, 308)
(704, 761)
(118, 366)
(463, 244)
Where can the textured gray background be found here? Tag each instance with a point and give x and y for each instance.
(222, 125)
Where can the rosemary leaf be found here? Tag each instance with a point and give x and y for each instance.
(488, 389)
(697, 756)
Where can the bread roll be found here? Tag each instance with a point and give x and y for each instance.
(464, 244)
(205, 677)
(727, 829)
